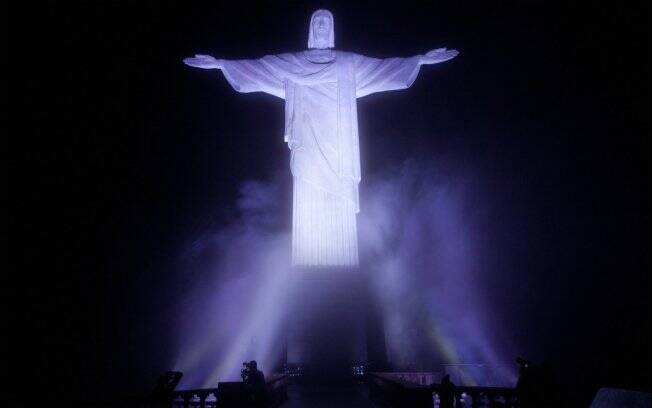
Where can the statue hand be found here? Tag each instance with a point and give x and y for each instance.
(438, 55)
(203, 62)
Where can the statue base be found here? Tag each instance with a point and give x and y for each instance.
(333, 323)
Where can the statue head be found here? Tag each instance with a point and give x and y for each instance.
(321, 33)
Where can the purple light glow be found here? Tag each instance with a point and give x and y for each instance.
(423, 233)
(422, 237)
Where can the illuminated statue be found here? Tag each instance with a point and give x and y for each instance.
(320, 87)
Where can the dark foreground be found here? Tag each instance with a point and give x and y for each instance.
(315, 396)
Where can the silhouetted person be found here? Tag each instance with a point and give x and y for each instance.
(447, 393)
(161, 395)
(537, 386)
(527, 389)
(255, 381)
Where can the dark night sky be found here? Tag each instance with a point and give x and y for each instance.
(126, 153)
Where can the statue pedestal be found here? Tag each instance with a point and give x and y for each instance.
(333, 323)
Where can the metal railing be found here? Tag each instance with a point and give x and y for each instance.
(229, 394)
(411, 389)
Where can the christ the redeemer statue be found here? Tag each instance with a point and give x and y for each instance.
(320, 87)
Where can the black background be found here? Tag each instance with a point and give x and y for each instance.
(124, 153)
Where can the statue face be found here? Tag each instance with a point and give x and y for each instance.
(321, 28)
(321, 32)
(322, 25)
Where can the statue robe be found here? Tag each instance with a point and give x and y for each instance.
(321, 129)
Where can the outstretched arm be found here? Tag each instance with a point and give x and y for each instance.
(389, 74)
(247, 75)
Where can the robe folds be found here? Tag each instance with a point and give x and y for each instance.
(321, 129)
